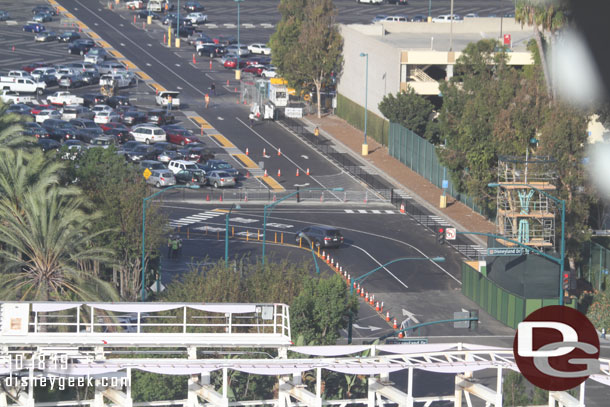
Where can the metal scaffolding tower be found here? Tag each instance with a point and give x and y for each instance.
(525, 213)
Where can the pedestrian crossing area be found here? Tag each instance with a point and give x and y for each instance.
(372, 211)
(196, 218)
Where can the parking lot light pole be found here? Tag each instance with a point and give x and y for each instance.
(234, 206)
(144, 202)
(561, 260)
(365, 146)
(269, 207)
(178, 26)
(355, 280)
(237, 70)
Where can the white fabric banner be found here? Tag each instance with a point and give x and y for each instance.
(473, 346)
(175, 370)
(601, 378)
(224, 308)
(53, 306)
(135, 307)
(407, 348)
(272, 370)
(81, 371)
(457, 368)
(328, 350)
(368, 370)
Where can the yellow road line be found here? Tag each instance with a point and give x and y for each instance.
(222, 140)
(70, 15)
(61, 9)
(116, 54)
(104, 44)
(143, 75)
(157, 87)
(129, 64)
(201, 122)
(245, 161)
(220, 210)
(271, 183)
(82, 26)
(93, 35)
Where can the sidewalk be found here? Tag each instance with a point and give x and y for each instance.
(401, 176)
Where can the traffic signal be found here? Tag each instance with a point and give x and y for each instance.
(440, 235)
(565, 280)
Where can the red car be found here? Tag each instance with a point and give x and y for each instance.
(113, 125)
(255, 69)
(231, 63)
(34, 65)
(39, 108)
(179, 135)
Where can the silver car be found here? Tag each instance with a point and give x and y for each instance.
(161, 178)
(220, 179)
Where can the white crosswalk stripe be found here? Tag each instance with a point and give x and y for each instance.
(361, 210)
(198, 217)
(375, 211)
(372, 211)
(349, 211)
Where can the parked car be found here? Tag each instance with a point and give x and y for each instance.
(140, 152)
(193, 6)
(113, 125)
(33, 27)
(220, 178)
(258, 48)
(110, 68)
(35, 65)
(148, 133)
(133, 117)
(270, 72)
(220, 165)
(260, 60)
(120, 135)
(255, 69)
(176, 166)
(210, 49)
(144, 14)
(35, 130)
(191, 177)
(231, 63)
(68, 36)
(48, 144)
(395, 19)
(47, 114)
(135, 4)
(419, 18)
(42, 17)
(446, 18)
(96, 55)
(76, 112)
(71, 81)
(378, 17)
(197, 18)
(166, 156)
(90, 78)
(80, 46)
(160, 117)
(102, 142)
(19, 108)
(118, 100)
(321, 236)
(171, 17)
(64, 98)
(92, 99)
(4, 15)
(59, 130)
(87, 135)
(178, 135)
(152, 165)
(80, 123)
(161, 178)
(238, 49)
(44, 8)
(45, 36)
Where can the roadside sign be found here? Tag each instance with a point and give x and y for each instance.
(445, 184)
(147, 173)
(461, 315)
(450, 233)
(157, 287)
(408, 341)
(505, 251)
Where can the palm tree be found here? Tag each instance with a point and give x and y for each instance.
(10, 129)
(45, 244)
(544, 15)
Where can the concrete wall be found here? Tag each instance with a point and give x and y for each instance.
(467, 26)
(384, 67)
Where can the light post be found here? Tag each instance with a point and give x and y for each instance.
(237, 70)
(365, 147)
(234, 206)
(144, 202)
(270, 206)
(430, 11)
(355, 280)
(313, 254)
(559, 261)
(178, 26)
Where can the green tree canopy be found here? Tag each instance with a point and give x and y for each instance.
(409, 109)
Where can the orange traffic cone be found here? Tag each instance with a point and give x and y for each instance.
(220, 198)
(367, 297)
(402, 208)
(207, 198)
(362, 293)
(400, 335)
(247, 152)
(279, 152)
(387, 316)
(297, 172)
(279, 173)
(377, 306)
(264, 151)
(246, 198)
(395, 326)
(307, 171)
(247, 174)
(227, 82)
(323, 254)
(381, 307)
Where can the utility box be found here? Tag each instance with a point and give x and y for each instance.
(15, 318)
(278, 95)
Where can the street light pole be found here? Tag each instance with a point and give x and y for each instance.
(365, 146)
(178, 26)
(562, 246)
(430, 11)
(227, 233)
(237, 70)
(144, 204)
(272, 205)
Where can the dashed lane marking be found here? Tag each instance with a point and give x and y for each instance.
(373, 211)
(201, 122)
(222, 140)
(143, 75)
(271, 183)
(93, 35)
(157, 87)
(103, 44)
(129, 64)
(245, 161)
(116, 54)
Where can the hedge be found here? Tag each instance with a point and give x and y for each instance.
(353, 113)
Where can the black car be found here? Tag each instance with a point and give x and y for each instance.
(48, 144)
(197, 154)
(171, 18)
(115, 101)
(120, 135)
(186, 28)
(152, 165)
(92, 99)
(191, 177)
(419, 18)
(44, 9)
(80, 46)
(133, 117)
(87, 135)
(160, 117)
(68, 36)
(193, 6)
(143, 15)
(71, 81)
(212, 165)
(130, 145)
(320, 236)
(84, 124)
(141, 152)
(19, 108)
(35, 130)
(211, 50)
(403, 2)
(90, 78)
(59, 130)
(50, 80)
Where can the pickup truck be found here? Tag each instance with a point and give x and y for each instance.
(8, 96)
(16, 74)
(122, 81)
(163, 99)
(64, 98)
(22, 85)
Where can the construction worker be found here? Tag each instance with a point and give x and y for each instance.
(175, 247)
(213, 88)
(316, 131)
(251, 117)
(207, 100)
(170, 253)
(169, 103)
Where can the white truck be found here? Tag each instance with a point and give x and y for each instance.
(121, 81)
(64, 98)
(17, 74)
(9, 96)
(163, 99)
(22, 85)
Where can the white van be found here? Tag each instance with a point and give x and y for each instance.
(148, 133)
(158, 5)
(395, 19)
